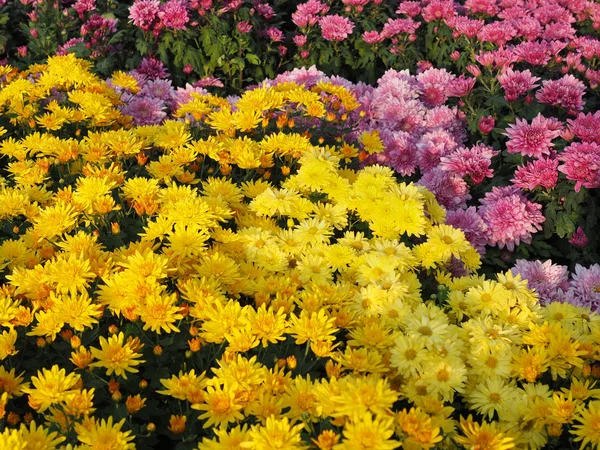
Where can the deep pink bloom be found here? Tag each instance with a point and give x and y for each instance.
(409, 8)
(488, 7)
(461, 86)
(300, 40)
(541, 172)
(401, 151)
(394, 27)
(533, 139)
(174, 14)
(528, 27)
(510, 217)
(244, 26)
(64, 49)
(486, 124)
(498, 33)
(265, 10)
(474, 70)
(335, 27)
(438, 9)
(275, 34)
(145, 110)
(83, 6)
(465, 26)
(516, 83)
(579, 238)
(534, 53)
(581, 163)
(586, 127)
(152, 68)
(474, 162)
(434, 85)
(372, 37)
(550, 281)
(471, 224)
(566, 92)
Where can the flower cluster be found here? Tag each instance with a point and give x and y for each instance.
(220, 279)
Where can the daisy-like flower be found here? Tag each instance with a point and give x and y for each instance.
(116, 355)
(104, 434)
(588, 429)
(533, 139)
(220, 407)
(50, 387)
(368, 432)
(484, 435)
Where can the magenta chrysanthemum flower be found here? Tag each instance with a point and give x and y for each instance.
(461, 86)
(550, 281)
(471, 224)
(434, 84)
(584, 289)
(586, 127)
(516, 83)
(446, 118)
(83, 6)
(409, 8)
(145, 110)
(335, 27)
(533, 139)
(438, 9)
(474, 162)
(498, 33)
(143, 12)
(307, 13)
(372, 37)
(510, 217)
(400, 151)
(174, 14)
(581, 163)
(152, 68)
(579, 238)
(394, 27)
(566, 92)
(534, 53)
(64, 49)
(464, 26)
(161, 89)
(541, 172)
(450, 191)
(488, 7)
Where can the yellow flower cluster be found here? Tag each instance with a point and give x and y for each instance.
(319, 311)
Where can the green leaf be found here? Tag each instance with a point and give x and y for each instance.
(253, 59)
(564, 225)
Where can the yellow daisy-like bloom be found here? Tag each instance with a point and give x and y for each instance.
(276, 434)
(7, 343)
(54, 220)
(316, 326)
(11, 384)
(38, 437)
(185, 386)
(11, 439)
(236, 438)
(220, 406)
(418, 428)
(116, 356)
(79, 311)
(368, 432)
(50, 387)
(588, 429)
(483, 436)
(371, 142)
(104, 434)
(160, 312)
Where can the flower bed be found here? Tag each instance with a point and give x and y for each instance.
(220, 281)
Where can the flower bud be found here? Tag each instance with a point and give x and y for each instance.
(486, 124)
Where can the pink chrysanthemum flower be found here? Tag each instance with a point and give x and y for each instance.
(498, 33)
(541, 172)
(450, 191)
(465, 26)
(63, 50)
(586, 127)
(471, 224)
(372, 37)
(143, 13)
(510, 217)
(566, 92)
(550, 281)
(474, 162)
(432, 147)
(516, 83)
(584, 289)
(161, 89)
(401, 151)
(394, 27)
(409, 8)
(307, 13)
(152, 68)
(534, 53)
(533, 139)
(461, 86)
(335, 27)
(434, 84)
(581, 163)
(83, 6)
(437, 9)
(528, 27)
(446, 118)
(174, 14)
(488, 7)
